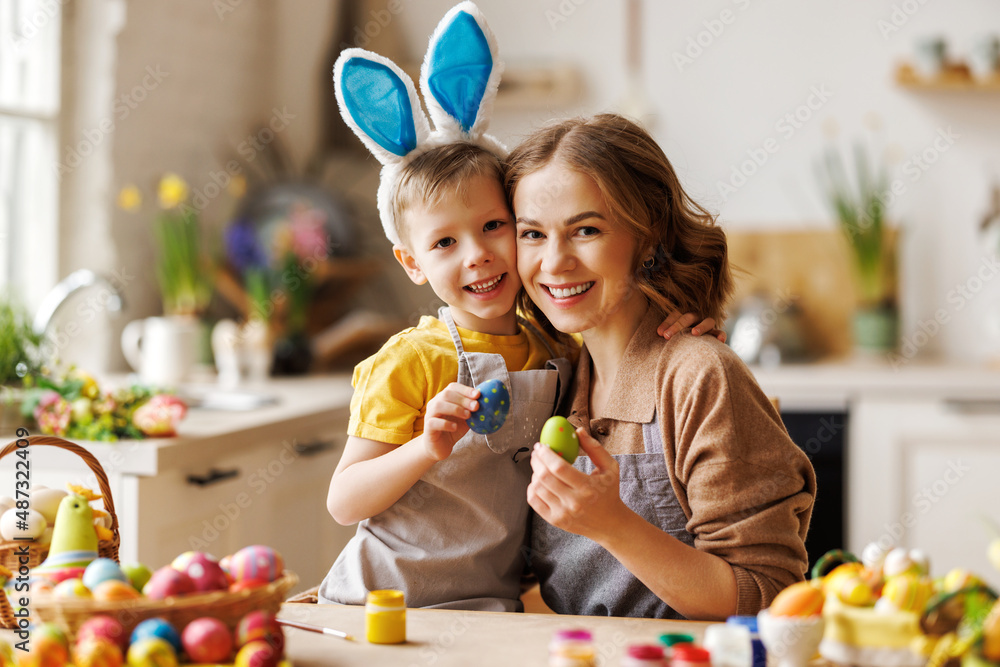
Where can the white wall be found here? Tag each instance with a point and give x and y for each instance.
(763, 65)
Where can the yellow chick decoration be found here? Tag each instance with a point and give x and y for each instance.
(74, 539)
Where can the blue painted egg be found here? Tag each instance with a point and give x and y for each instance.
(157, 628)
(101, 570)
(494, 404)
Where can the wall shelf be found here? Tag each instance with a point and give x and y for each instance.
(956, 77)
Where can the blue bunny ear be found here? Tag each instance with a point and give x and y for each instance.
(461, 74)
(379, 102)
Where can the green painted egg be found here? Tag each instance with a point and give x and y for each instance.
(560, 436)
(494, 404)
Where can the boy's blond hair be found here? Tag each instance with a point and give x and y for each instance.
(440, 172)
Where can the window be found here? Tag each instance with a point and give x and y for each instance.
(29, 108)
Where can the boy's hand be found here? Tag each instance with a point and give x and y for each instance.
(675, 323)
(444, 421)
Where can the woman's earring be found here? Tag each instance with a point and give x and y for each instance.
(648, 262)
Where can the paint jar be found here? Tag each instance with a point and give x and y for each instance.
(729, 644)
(644, 655)
(750, 623)
(385, 617)
(572, 648)
(689, 655)
(671, 639)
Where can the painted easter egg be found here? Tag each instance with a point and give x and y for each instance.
(907, 592)
(800, 599)
(48, 647)
(260, 625)
(560, 436)
(257, 654)
(157, 628)
(138, 574)
(103, 627)
(207, 640)
(494, 404)
(167, 582)
(72, 588)
(152, 652)
(114, 590)
(257, 562)
(101, 570)
(203, 569)
(97, 653)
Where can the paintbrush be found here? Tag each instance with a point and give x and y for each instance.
(316, 628)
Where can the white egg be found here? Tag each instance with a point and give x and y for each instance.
(102, 520)
(6, 502)
(46, 502)
(36, 524)
(45, 539)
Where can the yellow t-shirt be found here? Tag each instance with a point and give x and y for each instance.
(393, 386)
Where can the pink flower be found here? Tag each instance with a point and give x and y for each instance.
(158, 417)
(52, 413)
(309, 240)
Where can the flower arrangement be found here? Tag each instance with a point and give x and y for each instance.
(183, 270)
(73, 406)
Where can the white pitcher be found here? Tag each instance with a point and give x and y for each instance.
(163, 350)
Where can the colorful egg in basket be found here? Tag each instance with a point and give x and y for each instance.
(205, 571)
(256, 564)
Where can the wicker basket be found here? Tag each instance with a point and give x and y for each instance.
(228, 607)
(9, 557)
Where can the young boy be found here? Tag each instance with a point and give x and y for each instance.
(443, 510)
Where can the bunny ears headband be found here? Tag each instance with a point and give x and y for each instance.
(459, 80)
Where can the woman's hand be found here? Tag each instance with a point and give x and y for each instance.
(444, 421)
(587, 505)
(675, 323)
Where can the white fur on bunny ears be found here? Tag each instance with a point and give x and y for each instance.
(459, 79)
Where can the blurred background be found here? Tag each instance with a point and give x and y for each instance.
(188, 157)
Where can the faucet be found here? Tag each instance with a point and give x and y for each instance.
(75, 281)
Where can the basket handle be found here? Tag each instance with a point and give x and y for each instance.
(88, 458)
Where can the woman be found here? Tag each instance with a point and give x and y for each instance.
(692, 501)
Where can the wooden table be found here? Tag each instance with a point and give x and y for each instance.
(440, 638)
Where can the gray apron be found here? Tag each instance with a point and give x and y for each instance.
(456, 539)
(578, 576)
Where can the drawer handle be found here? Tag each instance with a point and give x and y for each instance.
(973, 406)
(214, 476)
(313, 448)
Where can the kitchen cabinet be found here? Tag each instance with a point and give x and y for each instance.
(922, 453)
(230, 479)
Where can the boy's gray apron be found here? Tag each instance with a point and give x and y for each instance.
(580, 577)
(455, 539)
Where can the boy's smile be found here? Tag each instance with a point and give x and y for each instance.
(464, 246)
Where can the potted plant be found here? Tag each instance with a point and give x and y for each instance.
(860, 207)
(19, 357)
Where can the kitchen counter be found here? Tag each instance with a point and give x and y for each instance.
(229, 478)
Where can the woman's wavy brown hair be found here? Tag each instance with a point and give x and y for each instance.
(641, 190)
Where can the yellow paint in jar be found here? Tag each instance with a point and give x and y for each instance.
(385, 617)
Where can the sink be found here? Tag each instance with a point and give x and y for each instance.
(229, 400)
